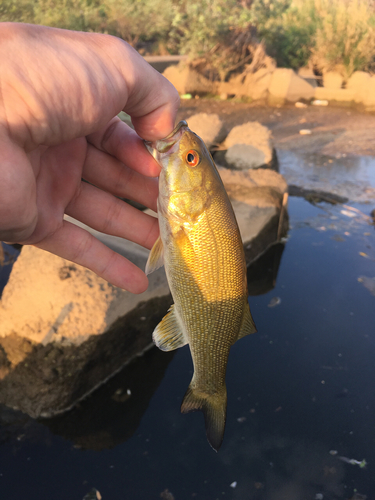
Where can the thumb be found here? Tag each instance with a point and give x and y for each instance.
(152, 102)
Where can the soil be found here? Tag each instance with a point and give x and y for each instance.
(334, 130)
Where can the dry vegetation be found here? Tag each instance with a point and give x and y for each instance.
(345, 36)
(223, 36)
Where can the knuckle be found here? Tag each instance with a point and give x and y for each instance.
(82, 248)
(114, 212)
(108, 136)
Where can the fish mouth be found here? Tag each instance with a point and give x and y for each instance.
(179, 125)
(160, 146)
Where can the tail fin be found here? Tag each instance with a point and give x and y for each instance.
(214, 408)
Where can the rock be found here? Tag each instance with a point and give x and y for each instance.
(187, 80)
(316, 196)
(257, 196)
(232, 88)
(256, 84)
(369, 96)
(308, 74)
(64, 330)
(210, 128)
(359, 83)
(339, 95)
(67, 311)
(249, 146)
(161, 63)
(253, 181)
(117, 413)
(244, 156)
(285, 85)
(332, 80)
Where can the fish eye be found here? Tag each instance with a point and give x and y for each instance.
(192, 158)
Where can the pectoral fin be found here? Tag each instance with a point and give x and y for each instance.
(168, 335)
(248, 325)
(156, 257)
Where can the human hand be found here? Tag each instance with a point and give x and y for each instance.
(60, 92)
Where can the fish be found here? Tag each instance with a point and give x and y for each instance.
(201, 249)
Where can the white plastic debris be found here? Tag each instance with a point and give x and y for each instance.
(352, 461)
(234, 484)
(320, 102)
(305, 131)
(348, 213)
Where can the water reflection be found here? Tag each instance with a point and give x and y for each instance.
(352, 177)
(360, 168)
(284, 468)
(112, 414)
(8, 255)
(262, 273)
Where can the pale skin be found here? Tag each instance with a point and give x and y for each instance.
(60, 92)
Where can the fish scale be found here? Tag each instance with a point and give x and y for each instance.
(201, 249)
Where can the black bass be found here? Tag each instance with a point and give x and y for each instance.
(201, 248)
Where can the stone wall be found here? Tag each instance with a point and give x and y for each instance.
(280, 85)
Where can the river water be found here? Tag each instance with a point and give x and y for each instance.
(301, 395)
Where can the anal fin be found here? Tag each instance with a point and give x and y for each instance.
(248, 325)
(155, 258)
(169, 335)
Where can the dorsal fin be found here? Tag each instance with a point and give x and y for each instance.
(155, 258)
(248, 325)
(169, 335)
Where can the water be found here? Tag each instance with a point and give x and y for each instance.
(8, 255)
(301, 387)
(352, 177)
